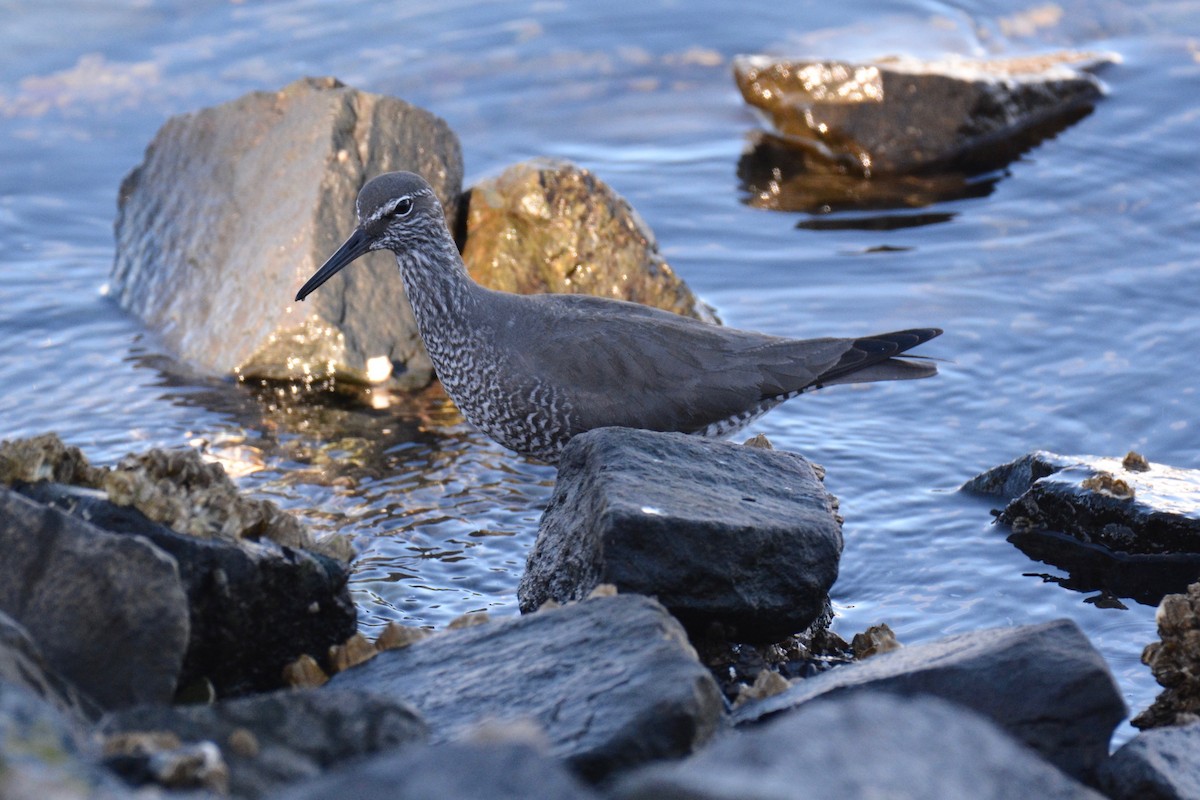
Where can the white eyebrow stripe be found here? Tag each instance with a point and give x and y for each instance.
(384, 210)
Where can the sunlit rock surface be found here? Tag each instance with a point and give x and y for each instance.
(902, 115)
(549, 226)
(1175, 662)
(235, 206)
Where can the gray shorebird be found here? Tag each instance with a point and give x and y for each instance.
(534, 370)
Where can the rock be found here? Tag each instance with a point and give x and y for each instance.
(1162, 764)
(903, 115)
(719, 533)
(44, 756)
(234, 206)
(464, 771)
(1044, 684)
(1122, 525)
(612, 682)
(253, 606)
(22, 664)
(870, 744)
(1175, 662)
(874, 640)
(267, 740)
(108, 612)
(549, 226)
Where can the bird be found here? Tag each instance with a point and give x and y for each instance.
(533, 371)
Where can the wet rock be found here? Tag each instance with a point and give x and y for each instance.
(903, 115)
(719, 533)
(873, 641)
(253, 606)
(870, 744)
(612, 682)
(1043, 684)
(1162, 764)
(1175, 662)
(464, 771)
(108, 612)
(1126, 526)
(266, 741)
(235, 206)
(44, 755)
(549, 226)
(22, 664)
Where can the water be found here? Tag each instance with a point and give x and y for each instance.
(1068, 292)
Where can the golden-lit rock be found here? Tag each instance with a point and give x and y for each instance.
(304, 672)
(1135, 462)
(873, 641)
(768, 683)
(468, 620)
(46, 458)
(243, 743)
(354, 650)
(396, 636)
(1175, 662)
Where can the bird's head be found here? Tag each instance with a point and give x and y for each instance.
(397, 211)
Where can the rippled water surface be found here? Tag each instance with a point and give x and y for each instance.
(1068, 288)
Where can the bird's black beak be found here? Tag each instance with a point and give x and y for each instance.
(358, 243)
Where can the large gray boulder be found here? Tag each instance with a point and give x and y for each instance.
(235, 206)
(109, 612)
(1044, 684)
(612, 682)
(870, 744)
(717, 532)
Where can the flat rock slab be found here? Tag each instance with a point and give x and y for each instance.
(108, 612)
(903, 115)
(871, 744)
(254, 607)
(270, 740)
(1162, 764)
(717, 532)
(1044, 684)
(612, 682)
(463, 771)
(235, 206)
(550, 226)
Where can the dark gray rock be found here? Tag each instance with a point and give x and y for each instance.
(1122, 525)
(717, 532)
(612, 682)
(234, 206)
(22, 664)
(1044, 684)
(271, 740)
(108, 612)
(1162, 764)
(871, 744)
(254, 606)
(903, 115)
(463, 771)
(44, 755)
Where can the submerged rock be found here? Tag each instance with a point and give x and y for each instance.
(549, 226)
(1043, 684)
(742, 537)
(108, 612)
(903, 115)
(1175, 662)
(1122, 524)
(612, 682)
(266, 741)
(1162, 764)
(869, 744)
(235, 206)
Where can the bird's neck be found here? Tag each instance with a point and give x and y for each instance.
(444, 298)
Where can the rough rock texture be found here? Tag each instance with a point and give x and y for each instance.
(235, 206)
(253, 606)
(274, 739)
(108, 612)
(549, 226)
(463, 771)
(899, 115)
(870, 744)
(1044, 684)
(612, 682)
(44, 756)
(22, 664)
(1175, 662)
(718, 532)
(1162, 764)
(1125, 525)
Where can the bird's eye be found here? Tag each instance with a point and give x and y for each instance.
(403, 207)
